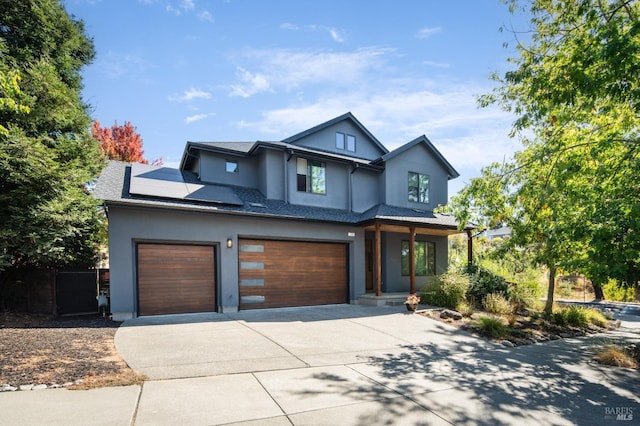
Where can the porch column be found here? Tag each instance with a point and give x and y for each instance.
(378, 261)
(469, 248)
(412, 260)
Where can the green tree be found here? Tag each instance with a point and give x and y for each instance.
(47, 156)
(570, 195)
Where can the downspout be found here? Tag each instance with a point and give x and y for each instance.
(286, 173)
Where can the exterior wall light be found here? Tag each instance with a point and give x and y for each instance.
(229, 243)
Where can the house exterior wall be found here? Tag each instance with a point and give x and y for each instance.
(325, 140)
(418, 160)
(212, 169)
(337, 186)
(127, 226)
(393, 280)
(271, 174)
(365, 189)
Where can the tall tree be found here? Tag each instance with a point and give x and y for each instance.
(575, 89)
(122, 143)
(47, 216)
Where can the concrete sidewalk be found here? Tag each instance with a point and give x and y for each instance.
(345, 365)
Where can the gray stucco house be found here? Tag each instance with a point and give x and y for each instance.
(325, 216)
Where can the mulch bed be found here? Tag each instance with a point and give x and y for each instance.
(524, 330)
(41, 349)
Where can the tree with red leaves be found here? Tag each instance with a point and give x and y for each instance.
(121, 143)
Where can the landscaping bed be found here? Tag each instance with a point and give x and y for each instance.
(518, 329)
(76, 352)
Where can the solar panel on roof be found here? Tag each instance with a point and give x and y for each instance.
(165, 182)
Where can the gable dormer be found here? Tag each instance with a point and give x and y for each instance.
(416, 175)
(343, 135)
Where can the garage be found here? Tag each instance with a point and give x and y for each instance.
(276, 274)
(175, 279)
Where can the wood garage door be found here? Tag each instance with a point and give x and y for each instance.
(276, 274)
(175, 279)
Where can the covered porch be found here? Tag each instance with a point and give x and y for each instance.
(391, 270)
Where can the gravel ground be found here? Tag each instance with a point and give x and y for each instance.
(40, 349)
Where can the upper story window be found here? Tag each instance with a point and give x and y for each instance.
(418, 188)
(231, 166)
(351, 143)
(344, 141)
(311, 176)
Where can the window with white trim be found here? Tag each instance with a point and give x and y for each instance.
(311, 176)
(231, 166)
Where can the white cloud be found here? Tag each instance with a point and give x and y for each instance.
(427, 32)
(336, 34)
(436, 64)
(190, 95)
(205, 15)
(116, 65)
(291, 68)
(250, 84)
(197, 117)
(187, 5)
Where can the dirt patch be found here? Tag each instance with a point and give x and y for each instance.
(40, 349)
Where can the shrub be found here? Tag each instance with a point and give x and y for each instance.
(559, 317)
(577, 316)
(491, 327)
(596, 317)
(485, 282)
(465, 308)
(496, 303)
(448, 290)
(613, 355)
(523, 295)
(572, 315)
(617, 292)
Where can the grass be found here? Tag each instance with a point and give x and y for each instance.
(615, 356)
(496, 303)
(466, 309)
(578, 316)
(120, 379)
(597, 318)
(492, 327)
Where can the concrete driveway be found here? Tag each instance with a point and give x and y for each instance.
(342, 365)
(350, 364)
(184, 346)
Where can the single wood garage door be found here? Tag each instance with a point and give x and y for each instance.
(175, 279)
(276, 274)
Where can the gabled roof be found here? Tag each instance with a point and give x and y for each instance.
(452, 173)
(347, 116)
(114, 186)
(246, 149)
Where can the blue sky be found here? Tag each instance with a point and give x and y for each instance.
(247, 70)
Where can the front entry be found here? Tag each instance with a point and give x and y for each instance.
(368, 253)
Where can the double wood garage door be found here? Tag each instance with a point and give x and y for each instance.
(291, 273)
(175, 279)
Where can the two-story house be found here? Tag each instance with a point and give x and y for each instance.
(322, 217)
